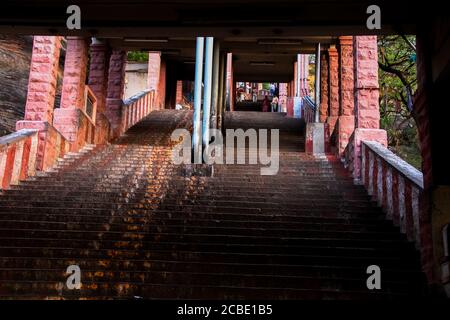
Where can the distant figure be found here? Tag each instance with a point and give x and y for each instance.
(265, 104)
(274, 104)
(272, 89)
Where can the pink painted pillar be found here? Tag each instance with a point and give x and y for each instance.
(365, 60)
(162, 86)
(98, 82)
(303, 69)
(283, 93)
(366, 82)
(179, 94)
(154, 73)
(324, 85)
(334, 88)
(231, 85)
(154, 66)
(67, 119)
(116, 82)
(347, 108)
(295, 84)
(98, 73)
(42, 80)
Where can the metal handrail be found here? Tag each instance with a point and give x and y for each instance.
(309, 102)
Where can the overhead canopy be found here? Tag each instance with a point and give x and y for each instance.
(263, 35)
(220, 18)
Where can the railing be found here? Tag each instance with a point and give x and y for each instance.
(396, 186)
(17, 156)
(137, 107)
(27, 151)
(308, 109)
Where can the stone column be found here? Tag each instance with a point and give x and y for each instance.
(98, 73)
(116, 81)
(365, 60)
(67, 117)
(366, 82)
(323, 112)
(98, 82)
(42, 80)
(231, 86)
(296, 84)
(162, 85)
(346, 122)
(283, 94)
(179, 94)
(154, 70)
(334, 88)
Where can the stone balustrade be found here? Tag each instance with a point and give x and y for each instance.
(27, 151)
(137, 107)
(395, 185)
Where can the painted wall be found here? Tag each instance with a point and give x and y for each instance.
(136, 78)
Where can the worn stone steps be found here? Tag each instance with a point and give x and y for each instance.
(74, 216)
(66, 224)
(199, 279)
(129, 290)
(140, 226)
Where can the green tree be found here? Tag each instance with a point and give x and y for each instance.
(137, 56)
(398, 83)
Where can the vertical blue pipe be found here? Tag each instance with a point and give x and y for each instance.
(207, 90)
(196, 147)
(317, 98)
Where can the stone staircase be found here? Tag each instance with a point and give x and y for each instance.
(137, 227)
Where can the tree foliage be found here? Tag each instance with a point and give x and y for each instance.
(138, 56)
(398, 83)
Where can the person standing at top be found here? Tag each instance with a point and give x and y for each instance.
(274, 104)
(265, 104)
(272, 89)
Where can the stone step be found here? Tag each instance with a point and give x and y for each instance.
(218, 279)
(139, 265)
(66, 223)
(128, 290)
(137, 225)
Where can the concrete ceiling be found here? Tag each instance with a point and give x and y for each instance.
(255, 59)
(220, 18)
(263, 35)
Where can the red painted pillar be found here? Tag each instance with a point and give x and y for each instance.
(98, 73)
(295, 84)
(67, 119)
(116, 81)
(154, 72)
(283, 94)
(334, 88)
(98, 82)
(230, 82)
(42, 80)
(154, 66)
(366, 82)
(347, 108)
(179, 94)
(162, 85)
(324, 95)
(365, 63)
